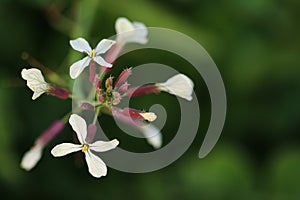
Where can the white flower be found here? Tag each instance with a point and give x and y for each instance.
(83, 46)
(179, 85)
(35, 81)
(130, 31)
(31, 157)
(96, 166)
(152, 135)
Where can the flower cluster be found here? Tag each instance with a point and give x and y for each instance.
(108, 95)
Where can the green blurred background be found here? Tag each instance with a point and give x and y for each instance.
(256, 46)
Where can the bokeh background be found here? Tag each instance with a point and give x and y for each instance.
(256, 46)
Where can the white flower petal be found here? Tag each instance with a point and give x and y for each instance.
(79, 126)
(31, 157)
(37, 93)
(102, 62)
(64, 149)
(103, 46)
(127, 32)
(96, 166)
(81, 45)
(35, 81)
(179, 85)
(102, 146)
(77, 67)
(123, 25)
(153, 135)
(150, 116)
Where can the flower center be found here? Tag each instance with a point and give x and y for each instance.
(85, 147)
(92, 53)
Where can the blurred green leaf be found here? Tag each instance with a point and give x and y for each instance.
(9, 168)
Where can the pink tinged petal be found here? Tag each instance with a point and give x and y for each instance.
(96, 166)
(102, 62)
(31, 157)
(179, 85)
(77, 67)
(79, 126)
(153, 135)
(102, 146)
(103, 46)
(81, 45)
(65, 148)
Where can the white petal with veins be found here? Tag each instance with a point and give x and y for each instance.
(102, 146)
(128, 32)
(179, 85)
(96, 166)
(77, 67)
(35, 81)
(79, 126)
(65, 148)
(103, 46)
(102, 62)
(81, 45)
(123, 25)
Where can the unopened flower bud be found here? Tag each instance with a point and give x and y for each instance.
(109, 82)
(97, 82)
(123, 88)
(87, 106)
(116, 98)
(123, 77)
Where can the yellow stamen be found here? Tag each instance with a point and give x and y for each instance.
(92, 53)
(85, 147)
